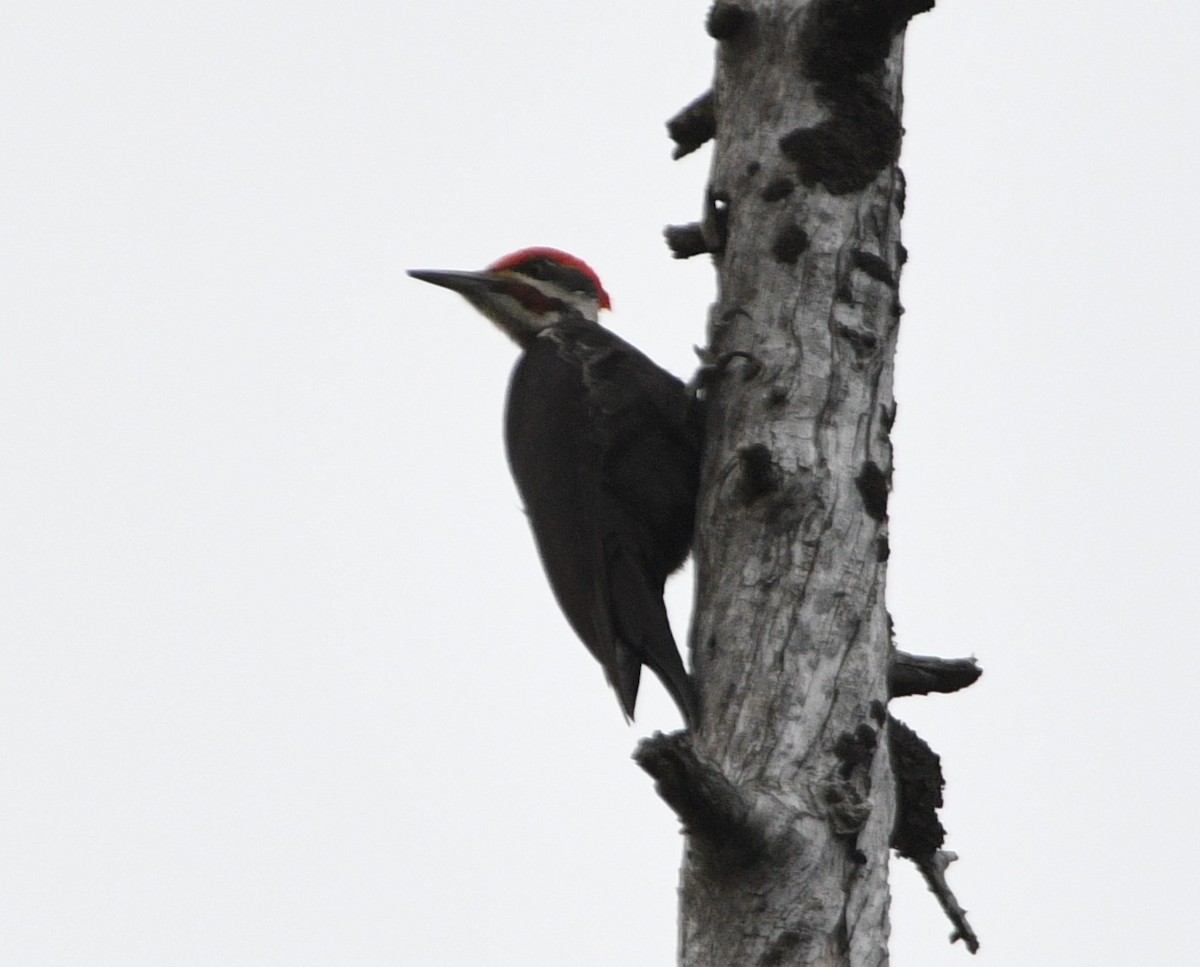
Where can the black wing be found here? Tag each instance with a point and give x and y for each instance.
(605, 457)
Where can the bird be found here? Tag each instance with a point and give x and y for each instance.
(605, 447)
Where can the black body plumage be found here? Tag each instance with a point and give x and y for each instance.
(605, 449)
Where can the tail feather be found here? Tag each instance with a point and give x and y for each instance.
(644, 635)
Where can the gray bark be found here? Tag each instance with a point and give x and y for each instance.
(786, 863)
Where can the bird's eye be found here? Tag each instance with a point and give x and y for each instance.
(535, 270)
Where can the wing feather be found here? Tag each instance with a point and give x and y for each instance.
(554, 458)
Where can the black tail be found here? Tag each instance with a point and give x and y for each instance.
(644, 636)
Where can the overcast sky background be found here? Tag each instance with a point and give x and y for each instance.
(282, 682)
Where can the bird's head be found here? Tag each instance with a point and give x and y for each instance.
(528, 291)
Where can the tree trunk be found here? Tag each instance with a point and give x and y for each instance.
(787, 855)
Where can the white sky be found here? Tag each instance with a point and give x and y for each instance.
(281, 680)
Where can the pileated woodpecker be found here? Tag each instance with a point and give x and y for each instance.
(605, 449)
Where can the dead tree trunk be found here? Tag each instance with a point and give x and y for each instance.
(785, 790)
